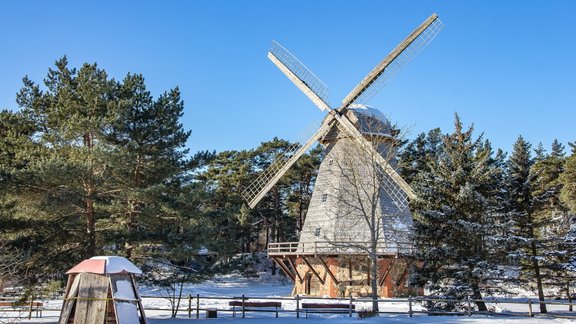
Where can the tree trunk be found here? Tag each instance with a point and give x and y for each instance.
(477, 295)
(132, 227)
(89, 188)
(90, 226)
(538, 278)
(134, 210)
(374, 279)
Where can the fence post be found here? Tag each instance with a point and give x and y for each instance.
(297, 306)
(189, 306)
(410, 306)
(350, 308)
(243, 311)
(530, 307)
(197, 306)
(469, 306)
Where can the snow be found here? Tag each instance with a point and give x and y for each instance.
(126, 312)
(271, 286)
(369, 111)
(122, 289)
(116, 264)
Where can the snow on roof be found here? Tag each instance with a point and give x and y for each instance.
(369, 111)
(105, 265)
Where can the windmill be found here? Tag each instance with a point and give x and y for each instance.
(316, 264)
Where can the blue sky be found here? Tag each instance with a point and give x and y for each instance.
(509, 67)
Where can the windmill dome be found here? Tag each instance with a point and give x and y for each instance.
(370, 121)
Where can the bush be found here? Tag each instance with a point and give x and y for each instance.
(367, 313)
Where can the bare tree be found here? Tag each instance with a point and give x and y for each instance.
(11, 261)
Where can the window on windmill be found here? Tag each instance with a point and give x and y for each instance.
(317, 233)
(324, 197)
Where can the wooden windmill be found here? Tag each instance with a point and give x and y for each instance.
(331, 256)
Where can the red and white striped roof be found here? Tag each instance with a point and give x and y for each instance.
(105, 265)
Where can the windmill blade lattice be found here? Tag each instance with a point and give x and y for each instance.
(394, 190)
(305, 77)
(268, 178)
(377, 82)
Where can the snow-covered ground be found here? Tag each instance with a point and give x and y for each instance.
(236, 286)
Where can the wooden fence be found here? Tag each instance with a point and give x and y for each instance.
(197, 306)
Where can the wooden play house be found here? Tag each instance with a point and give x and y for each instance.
(102, 290)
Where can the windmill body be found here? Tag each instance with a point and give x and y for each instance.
(358, 216)
(345, 169)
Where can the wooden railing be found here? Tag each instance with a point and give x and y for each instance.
(198, 306)
(327, 247)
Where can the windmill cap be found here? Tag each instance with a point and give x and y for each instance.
(370, 120)
(105, 265)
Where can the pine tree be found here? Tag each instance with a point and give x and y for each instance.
(550, 216)
(550, 211)
(526, 246)
(540, 152)
(451, 225)
(70, 116)
(148, 149)
(223, 177)
(568, 181)
(94, 145)
(416, 155)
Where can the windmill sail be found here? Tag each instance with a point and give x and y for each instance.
(395, 61)
(399, 191)
(268, 178)
(300, 75)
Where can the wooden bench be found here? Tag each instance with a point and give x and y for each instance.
(328, 308)
(8, 306)
(246, 306)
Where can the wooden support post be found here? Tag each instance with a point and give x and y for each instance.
(295, 270)
(410, 306)
(329, 272)
(530, 308)
(313, 271)
(469, 306)
(387, 271)
(284, 268)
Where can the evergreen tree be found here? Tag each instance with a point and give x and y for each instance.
(568, 181)
(450, 216)
(540, 152)
(96, 158)
(69, 173)
(550, 212)
(415, 157)
(147, 142)
(224, 176)
(526, 246)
